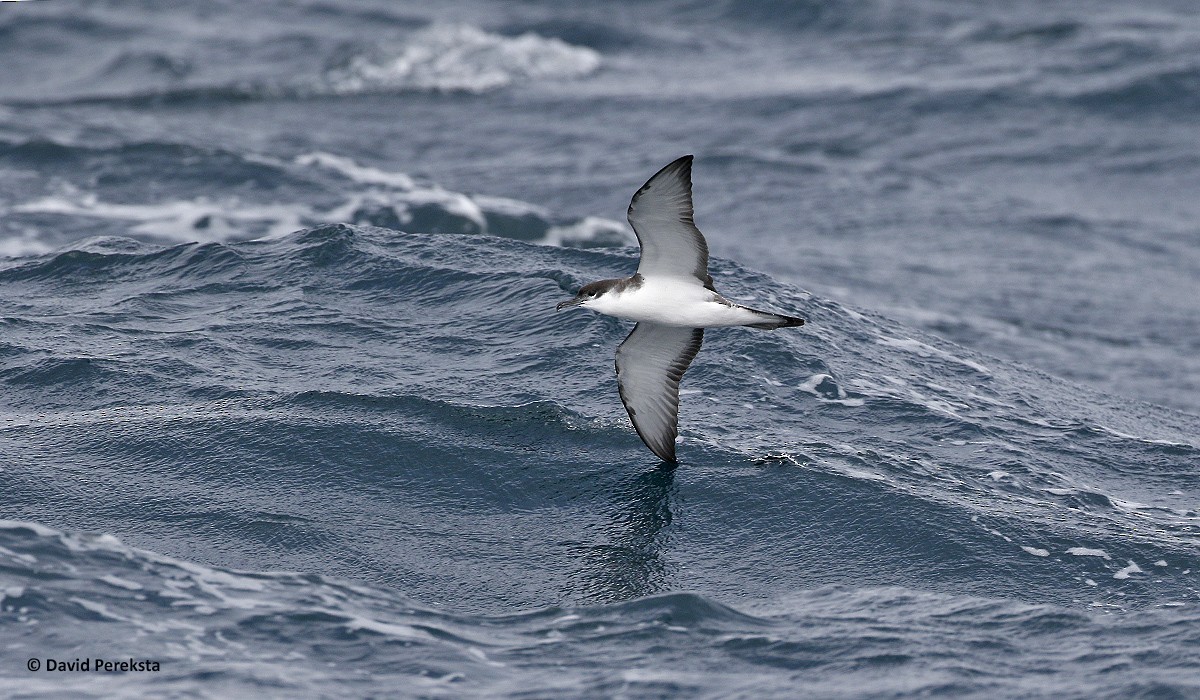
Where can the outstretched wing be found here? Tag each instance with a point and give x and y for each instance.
(650, 364)
(661, 216)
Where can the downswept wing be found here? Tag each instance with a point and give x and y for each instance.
(650, 363)
(661, 216)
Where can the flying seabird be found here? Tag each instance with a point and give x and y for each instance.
(672, 299)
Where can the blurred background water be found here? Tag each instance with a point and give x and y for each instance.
(286, 405)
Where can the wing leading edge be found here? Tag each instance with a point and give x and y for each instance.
(661, 216)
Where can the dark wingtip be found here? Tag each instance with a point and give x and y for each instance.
(665, 451)
(682, 163)
(780, 321)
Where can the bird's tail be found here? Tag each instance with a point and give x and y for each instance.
(771, 321)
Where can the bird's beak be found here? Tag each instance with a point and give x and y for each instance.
(568, 303)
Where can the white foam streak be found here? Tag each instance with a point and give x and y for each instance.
(811, 385)
(358, 173)
(397, 631)
(214, 221)
(1088, 552)
(198, 219)
(924, 350)
(1124, 573)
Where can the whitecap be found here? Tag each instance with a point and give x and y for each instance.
(359, 173)
(587, 232)
(1088, 552)
(1124, 573)
(463, 58)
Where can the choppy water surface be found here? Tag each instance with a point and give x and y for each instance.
(286, 406)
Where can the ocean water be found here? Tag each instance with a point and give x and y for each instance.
(287, 411)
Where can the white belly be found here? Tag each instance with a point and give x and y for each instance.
(673, 303)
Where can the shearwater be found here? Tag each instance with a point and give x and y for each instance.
(672, 298)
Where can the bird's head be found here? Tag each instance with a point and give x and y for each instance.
(588, 294)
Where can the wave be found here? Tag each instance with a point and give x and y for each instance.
(404, 408)
(262, 631)
(344, 444)
(351, 193)
(439, 58)
(368, 317)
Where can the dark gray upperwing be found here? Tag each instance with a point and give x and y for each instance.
(650, 364)
(661, 216)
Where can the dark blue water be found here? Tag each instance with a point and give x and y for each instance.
(286, 407)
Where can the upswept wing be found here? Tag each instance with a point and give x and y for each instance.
(661, 216)
(650, 363)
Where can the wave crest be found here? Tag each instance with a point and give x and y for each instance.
(462, 58)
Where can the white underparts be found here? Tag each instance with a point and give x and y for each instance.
(673, 302)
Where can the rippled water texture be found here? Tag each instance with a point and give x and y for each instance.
(286, 405)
